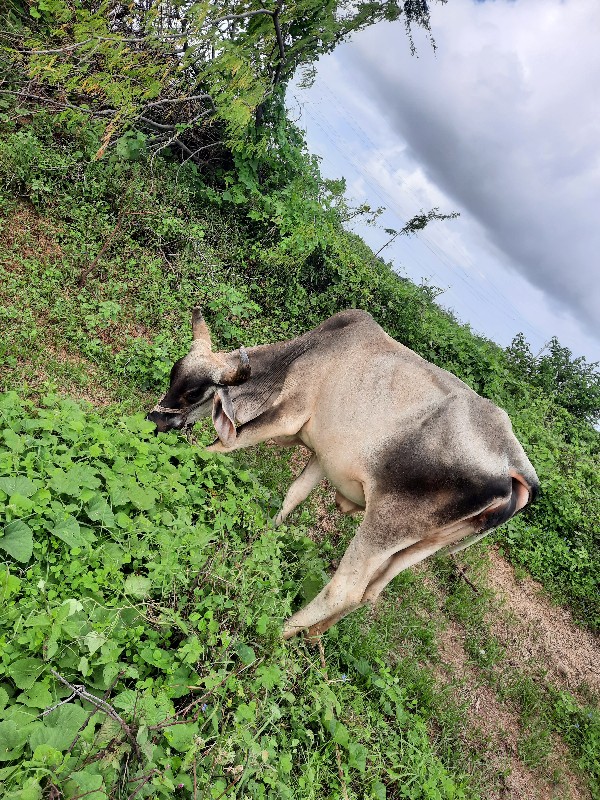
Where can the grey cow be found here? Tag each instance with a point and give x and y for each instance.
(430, 462)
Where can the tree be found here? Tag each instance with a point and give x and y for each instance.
(196, 77)
(573, 383)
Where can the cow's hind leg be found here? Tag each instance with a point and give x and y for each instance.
(408, 556)
(455, 536)
(381, 533)
(301, 488)
(412, 555)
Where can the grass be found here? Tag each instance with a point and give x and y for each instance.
(544, 711)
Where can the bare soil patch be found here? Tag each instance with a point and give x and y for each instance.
(543, 633)
(30, 235)
(495, 729)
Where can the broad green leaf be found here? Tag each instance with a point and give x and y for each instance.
(137, 586)
(68, 530)
(98, 510)
(88, 784)
(312, 585)
(9, 584)
(246, 654)
(25, 671)
(285, 763)
(47, 755)
(127, 700)
(38, 696)
(12, 739)
(18, 484)
(94, 641)
(13, 440)
(60, 727)
(357, 756)
(72, 481)
(142, 498)
(181, 737)
(341, 735)
(17, 541)
(378, 791)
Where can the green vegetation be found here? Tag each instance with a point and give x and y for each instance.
(146, 570)
(170, 593)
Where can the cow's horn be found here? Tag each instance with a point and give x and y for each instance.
(200, 332)
(240, 373)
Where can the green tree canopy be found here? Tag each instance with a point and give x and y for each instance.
(197, 77)
(573, 383)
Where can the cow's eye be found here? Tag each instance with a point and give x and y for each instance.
(195, 394)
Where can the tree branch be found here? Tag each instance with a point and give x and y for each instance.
(101, 705)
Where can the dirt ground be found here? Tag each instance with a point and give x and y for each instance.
(542, 631)
(537, 637)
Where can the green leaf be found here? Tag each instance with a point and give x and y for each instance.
(357, 756)
(68, 529)
(269, 675)
(143, 498)
(25, 671)
(285, 763)
(17, 484)
(38, 696)
(245, 654)
(86, 783)
(181, 737)
(72, 481)
(138, 586)
(378, 791)
(98, 510)
(48, 755)
(262, 623)
(12, 739)
(312, 585)
(17, 541)
(13, 440)
(341, 735)
(60, 727)
(127, 700)
(94, 641)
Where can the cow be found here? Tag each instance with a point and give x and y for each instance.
(430, 462)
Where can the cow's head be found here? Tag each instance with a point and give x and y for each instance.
(198, 384)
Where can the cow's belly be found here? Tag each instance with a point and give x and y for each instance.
(339, 463)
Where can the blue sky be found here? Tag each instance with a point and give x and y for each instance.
(502, 124)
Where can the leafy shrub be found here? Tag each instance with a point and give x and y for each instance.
(146, 571)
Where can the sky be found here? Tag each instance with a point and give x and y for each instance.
(500, 123)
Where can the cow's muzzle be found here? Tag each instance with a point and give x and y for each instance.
(167, 419)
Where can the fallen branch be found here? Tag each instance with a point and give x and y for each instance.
(463, 575)
(101, 705)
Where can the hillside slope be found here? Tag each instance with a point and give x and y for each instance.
(164, 597)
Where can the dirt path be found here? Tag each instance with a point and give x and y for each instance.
(543, 632)
(539, 639)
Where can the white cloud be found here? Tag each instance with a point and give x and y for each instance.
(503, 124)
(504, 119)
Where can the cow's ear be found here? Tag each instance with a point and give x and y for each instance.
(223, 416)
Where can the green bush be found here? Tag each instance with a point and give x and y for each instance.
(146, 571)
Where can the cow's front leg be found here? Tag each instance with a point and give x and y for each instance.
(301, 488)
